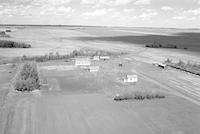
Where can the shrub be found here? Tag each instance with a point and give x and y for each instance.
(27, 78)
(180, 63)
(190, 67)
(13, 44)
(159, 45)
(168, 61)
(139, 95)
(8, 30)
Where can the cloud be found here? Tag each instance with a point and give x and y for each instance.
(148, 15)
(114, 2)
(16, 10)
(129, 10)
(179, 17)
(166, 8)
(142, 2)
(88, 1)
(50, 10)
(51, 2)
(192, 12)
(122, 2)
(96, 13)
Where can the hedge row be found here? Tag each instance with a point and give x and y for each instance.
(160, 45)
(139, 95)
(13, 44)
(193, 68)
(57, 56)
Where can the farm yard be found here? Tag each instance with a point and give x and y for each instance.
(73, 99)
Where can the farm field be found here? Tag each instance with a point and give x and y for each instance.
(66, 39)
(74, 100)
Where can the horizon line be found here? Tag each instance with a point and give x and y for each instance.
(63, 25)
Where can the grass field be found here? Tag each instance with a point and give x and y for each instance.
(65, 39)
(73, 100)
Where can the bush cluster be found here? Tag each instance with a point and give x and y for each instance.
(188, 67)
(160, 45)
(8, 30)
(140, 95)
(13, 44)
(27, 78)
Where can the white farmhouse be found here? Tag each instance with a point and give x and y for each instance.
(82, 61)
(104, 57)
(97, 58)
(131, 78)
(94, 68)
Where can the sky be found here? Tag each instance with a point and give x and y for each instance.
(128, 13)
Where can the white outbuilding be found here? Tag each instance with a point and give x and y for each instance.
(104, 57)
(93, 68)
(131, 79)
(96, 58)
(82, 61)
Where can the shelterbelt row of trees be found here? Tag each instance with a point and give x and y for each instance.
(190, 67)
(13, 44)
(57, 56)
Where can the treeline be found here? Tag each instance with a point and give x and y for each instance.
(140, 95)
(190, 67)
(160, 45)
(57, 56)
(13, 44)
(27, 77)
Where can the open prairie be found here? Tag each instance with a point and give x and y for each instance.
(133, 40)
(76, 101)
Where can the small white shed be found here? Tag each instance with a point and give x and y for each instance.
(97, 58)
(82, 61)
(94, 68)
(131, 78)
(104, 57)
